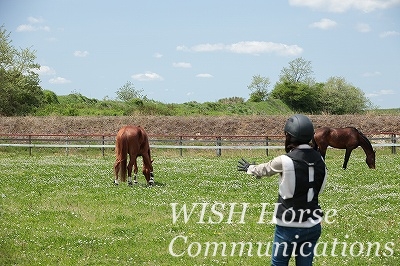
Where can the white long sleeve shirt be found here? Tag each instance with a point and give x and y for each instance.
(284, 166)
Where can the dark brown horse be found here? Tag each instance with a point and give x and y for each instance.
(132, 140)
(347, 138)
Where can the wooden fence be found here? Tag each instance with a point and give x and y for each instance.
(217, 143)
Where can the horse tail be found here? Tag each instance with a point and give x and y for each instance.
(121, 152)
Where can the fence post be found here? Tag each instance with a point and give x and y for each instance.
(66, 148)
(180, 144)
(102, 148)
(267, 143)
(30, 147)
(393, 137)
(219, 143)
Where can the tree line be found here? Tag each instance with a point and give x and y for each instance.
(21, 93)
(298, 89)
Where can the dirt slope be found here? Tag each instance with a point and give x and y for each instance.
(194, 125)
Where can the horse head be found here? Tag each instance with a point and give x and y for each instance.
(370, 160)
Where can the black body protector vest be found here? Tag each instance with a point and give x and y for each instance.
(309, 174)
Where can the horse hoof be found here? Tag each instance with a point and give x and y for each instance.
(115, 183)
(130, 183)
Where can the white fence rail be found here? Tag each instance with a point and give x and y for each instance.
(217, 143)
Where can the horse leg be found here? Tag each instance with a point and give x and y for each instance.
(323, 153)
(322, 150)
(135, 170)
(346, 157)
(130, 165)
(149, 176)
(147, 170)
(151, 181)
(116, 171)
(152, 177)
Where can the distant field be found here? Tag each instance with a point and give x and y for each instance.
(63, 210)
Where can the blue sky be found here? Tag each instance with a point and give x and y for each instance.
(180, 51)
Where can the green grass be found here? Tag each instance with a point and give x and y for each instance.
(76, 104)
(63, 210)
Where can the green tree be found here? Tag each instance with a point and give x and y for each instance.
(258, 88)
(231, 100)
(50, 97)
(128, 93)
(340, 97)
(297, 88)
(299, 96)
(298, 71)
(20, 92)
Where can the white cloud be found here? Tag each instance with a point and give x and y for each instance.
(34, 20)
(81, 53)
(28, 27)
(182, 48)
(265, 47)
(324, 24)
(246, 47)
(380, 93)
(204, 75)
(45, 28)
(339, 6)
(363, 27)
(59, 80)
(371, 74)
(389, 34)
(387, 92)
(157, 55)
(31, 27)
(207, 47)
(182, 65)
(25, 27)
(148, 76)
(45, 70)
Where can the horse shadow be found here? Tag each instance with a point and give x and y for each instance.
(155, 184)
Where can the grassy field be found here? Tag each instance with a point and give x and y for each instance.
(63, 210)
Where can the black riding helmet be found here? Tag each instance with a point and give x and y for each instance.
(300, 127)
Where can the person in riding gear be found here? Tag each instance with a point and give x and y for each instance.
(302, 177)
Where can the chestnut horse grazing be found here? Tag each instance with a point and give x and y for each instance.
(132, 140)
(347, 138)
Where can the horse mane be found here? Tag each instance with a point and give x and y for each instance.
(364, 137)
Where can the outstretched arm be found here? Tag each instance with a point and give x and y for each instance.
(258, 170)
